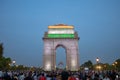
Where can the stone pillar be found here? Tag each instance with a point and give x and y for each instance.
(68, 59)
(53, 59)
(74, 59)
(47, 61)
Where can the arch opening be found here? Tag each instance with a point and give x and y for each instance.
(60, 57)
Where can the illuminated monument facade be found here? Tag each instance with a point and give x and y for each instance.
(65, 36)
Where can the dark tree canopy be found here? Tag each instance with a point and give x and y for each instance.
(4, 62)
(1, 50)
(117, 63)
(88, 64)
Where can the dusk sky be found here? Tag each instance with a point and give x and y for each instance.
(24, 22)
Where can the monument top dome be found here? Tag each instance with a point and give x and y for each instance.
(60, 26)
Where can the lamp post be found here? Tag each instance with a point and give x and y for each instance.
(97, 61)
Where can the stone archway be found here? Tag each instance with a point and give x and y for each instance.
(69, 43)
(60, 56)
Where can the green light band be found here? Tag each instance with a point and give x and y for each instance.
(61, 35)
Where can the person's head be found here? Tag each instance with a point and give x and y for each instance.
(30, 73)
(106, 76)
(42, 74)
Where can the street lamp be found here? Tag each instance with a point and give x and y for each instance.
(97, 60)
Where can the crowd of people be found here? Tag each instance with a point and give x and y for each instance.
(60, 75)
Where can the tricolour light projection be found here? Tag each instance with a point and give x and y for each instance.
(61, 31)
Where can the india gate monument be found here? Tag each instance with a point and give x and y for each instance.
(64, 36)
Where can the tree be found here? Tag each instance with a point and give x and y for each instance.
(88, 64)
(106, 66)
(1, 50)
(4, 62)
(117, 64)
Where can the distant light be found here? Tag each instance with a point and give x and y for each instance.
(14, 62)
(9, 64)
(115, 62)
(86, 68)
(98, 67)
(16, 65)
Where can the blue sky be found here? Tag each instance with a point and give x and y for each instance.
(23, 23)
